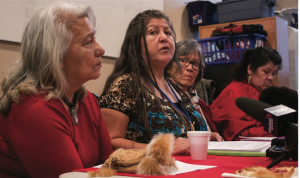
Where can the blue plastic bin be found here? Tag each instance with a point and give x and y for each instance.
(225, 50)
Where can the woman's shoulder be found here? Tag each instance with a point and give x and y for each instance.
(123, 79)
(32, 107)
(36, 101)
(240, 89)
(119, 94)
(90, 97)
(234, 90)
(123, 84)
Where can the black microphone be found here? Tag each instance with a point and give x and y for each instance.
(275, 119)
(252, 107)
(274, 110)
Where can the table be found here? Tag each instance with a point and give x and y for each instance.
(224, 164)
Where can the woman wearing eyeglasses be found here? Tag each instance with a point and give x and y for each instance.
(190, 71)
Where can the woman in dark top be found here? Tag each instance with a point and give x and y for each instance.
(138, 100)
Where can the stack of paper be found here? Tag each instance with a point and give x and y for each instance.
(238, 148)
(257, 138)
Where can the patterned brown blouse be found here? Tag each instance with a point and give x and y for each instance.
(161, 116)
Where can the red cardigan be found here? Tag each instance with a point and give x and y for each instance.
(38, 138)
(231, 122)
(208, 115)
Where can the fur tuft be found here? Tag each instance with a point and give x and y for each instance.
(92, 173)
(158, 160)
(104, 172)
(150, 166)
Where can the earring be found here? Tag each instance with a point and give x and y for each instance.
(249, 79)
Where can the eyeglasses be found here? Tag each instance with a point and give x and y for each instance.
(185, 62)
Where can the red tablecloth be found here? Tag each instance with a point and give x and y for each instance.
(224, 164)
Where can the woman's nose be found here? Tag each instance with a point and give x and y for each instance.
(162, 37)
(271, 77)
(99, 50)
(189, 67)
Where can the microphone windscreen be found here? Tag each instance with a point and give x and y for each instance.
(280, 95)
(252, 107)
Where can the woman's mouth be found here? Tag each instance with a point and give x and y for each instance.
(165, 48)
(100, 64)
(187, 77)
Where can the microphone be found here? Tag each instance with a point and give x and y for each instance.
(277, 119)
(274, 118)
(252, 107)
(277, 110)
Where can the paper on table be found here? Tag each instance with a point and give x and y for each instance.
(257, 138)
(255, 146)
(98, 166)
(183, 167)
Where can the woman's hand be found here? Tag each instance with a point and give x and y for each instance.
(215, 136)
(181, 146)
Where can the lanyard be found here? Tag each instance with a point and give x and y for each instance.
(173, 103)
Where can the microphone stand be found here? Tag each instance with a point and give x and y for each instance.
(277, 160)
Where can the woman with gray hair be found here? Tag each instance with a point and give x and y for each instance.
(190, 71)
(50, 124)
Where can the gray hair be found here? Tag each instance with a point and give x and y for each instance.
(44, 44)
(187, 47)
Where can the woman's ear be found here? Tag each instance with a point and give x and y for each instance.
(249, 70)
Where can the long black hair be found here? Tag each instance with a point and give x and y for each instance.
(131, 61)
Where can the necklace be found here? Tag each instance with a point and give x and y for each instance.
(72, 107)
(177, 109)
(180, 103)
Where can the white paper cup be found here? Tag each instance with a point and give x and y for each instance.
(198, 141)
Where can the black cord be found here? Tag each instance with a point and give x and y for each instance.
(277, 160)
(67, 101)
(72, 107)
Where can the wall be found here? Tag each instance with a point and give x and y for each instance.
(175, 9)
(10, 53)
(117, 13)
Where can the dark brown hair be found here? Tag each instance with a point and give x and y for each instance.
(131, 61)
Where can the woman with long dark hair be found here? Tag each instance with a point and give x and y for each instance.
(138, 100)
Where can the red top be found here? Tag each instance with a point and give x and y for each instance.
(230, 121)
(38, 138)
(208, 114)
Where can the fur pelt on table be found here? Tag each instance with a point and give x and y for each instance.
(156, 159)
